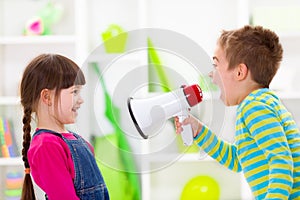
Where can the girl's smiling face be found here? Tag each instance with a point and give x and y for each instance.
(69, 102)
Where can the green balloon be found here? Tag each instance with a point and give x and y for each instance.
(201, 187)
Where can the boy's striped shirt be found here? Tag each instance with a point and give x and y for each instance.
(266, 147)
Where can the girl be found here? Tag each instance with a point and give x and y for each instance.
(61, 162)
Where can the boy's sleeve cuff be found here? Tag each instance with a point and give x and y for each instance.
(201, 132)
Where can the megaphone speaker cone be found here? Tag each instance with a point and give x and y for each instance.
(129, 101)
(147, 119)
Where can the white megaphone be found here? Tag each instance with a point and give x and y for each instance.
(150, 114)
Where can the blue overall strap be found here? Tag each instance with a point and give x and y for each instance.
(46, 131)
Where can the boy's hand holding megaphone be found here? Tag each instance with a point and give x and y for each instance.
(193, 121)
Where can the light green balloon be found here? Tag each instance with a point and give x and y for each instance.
(201, 187)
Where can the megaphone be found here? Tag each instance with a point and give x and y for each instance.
(149, 114)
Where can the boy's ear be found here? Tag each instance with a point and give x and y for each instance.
(46, 96)
(241, 71)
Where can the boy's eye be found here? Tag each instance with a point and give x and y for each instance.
(214, 65)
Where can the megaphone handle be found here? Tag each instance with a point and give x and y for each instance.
(187, 133)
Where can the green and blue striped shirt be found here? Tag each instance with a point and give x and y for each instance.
(266, 147)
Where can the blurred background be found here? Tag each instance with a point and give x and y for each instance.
(161, 167)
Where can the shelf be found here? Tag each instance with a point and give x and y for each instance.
(15, 161)
(51, 39)
(194, 157)
(180, 157)
(9, 100)
(101, 56)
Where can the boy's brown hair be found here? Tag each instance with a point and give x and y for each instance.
(258, 48)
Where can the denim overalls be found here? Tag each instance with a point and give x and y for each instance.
(88, 181)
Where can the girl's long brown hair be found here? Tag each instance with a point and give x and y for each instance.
(51, 71)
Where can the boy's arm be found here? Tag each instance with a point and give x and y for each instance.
(218, 149)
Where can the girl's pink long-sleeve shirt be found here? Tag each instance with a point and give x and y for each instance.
(52, 167)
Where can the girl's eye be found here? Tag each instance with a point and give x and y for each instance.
(75, 92)
(214, 65)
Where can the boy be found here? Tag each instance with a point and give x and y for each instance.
(267, 139)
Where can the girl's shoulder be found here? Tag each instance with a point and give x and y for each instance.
(47, 142)
(49, 134)
(45, 136)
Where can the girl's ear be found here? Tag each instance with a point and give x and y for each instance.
(46, 97)
(241, 71)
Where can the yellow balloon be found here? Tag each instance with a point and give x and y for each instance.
(201, 187)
